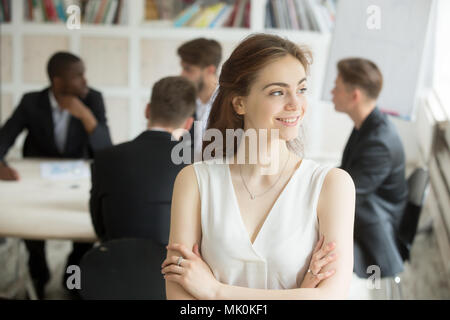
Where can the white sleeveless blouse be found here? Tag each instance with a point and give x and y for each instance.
(281, 252)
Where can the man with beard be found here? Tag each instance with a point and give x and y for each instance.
(200, 59)
(65, 120)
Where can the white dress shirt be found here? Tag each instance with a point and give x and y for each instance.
(202, 111)
(61, 119)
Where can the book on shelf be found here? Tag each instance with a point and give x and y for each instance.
(164, 9)
(170, 8)
(110, 12)
(239, 18)
(302, 15)
(310, 15)
(50, 12)
(5, 11)
(151, 10)
(123, 13)
(205, 18)
(292, 14)
(187, 14)
(240, 12)
(92, 11)
(285, 15)
(246, 22)
(61, 10)
(269, 18)
(222, 17)
(101, 11)
(271, 7)
(233, 14)
(198, 13)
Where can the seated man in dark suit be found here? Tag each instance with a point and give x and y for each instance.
(66, 120)
(132, 182)
(375, 159)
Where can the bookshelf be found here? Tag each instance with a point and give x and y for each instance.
(304, 15)
(98, 12)
(5, 11)
(141, 53)
(205, 14)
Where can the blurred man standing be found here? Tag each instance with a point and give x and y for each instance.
(200, 60)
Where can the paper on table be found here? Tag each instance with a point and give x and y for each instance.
(64, 170)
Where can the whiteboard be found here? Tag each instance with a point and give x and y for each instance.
(396, 47)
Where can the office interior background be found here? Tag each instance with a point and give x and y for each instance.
(126, 53)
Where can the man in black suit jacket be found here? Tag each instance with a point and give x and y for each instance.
(375, 159)
(132, 183)
(66, 120)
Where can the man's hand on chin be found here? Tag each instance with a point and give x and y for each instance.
(79, 110)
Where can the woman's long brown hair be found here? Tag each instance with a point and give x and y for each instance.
(240, 71)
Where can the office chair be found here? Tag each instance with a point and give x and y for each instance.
(124, 269)
(418, 186)
(130, 216)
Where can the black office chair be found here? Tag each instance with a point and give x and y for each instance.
(123, 269)
(418, 186)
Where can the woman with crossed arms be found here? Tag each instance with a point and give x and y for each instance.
(284, 235)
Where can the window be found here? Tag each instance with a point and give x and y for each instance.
(441, 81)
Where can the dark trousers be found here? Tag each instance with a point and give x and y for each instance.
(37, 263)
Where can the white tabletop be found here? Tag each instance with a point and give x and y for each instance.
(40, 208)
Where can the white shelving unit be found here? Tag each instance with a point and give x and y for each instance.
(135, 92)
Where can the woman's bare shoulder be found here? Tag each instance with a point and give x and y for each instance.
(338, 190)
(186, 178)
(185, 213)
(186, 173)
(338, 178)
(186, 190)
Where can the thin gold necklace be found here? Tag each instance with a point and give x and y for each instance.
(253, 196)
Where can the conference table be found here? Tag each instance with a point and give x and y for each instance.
(47, 205)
